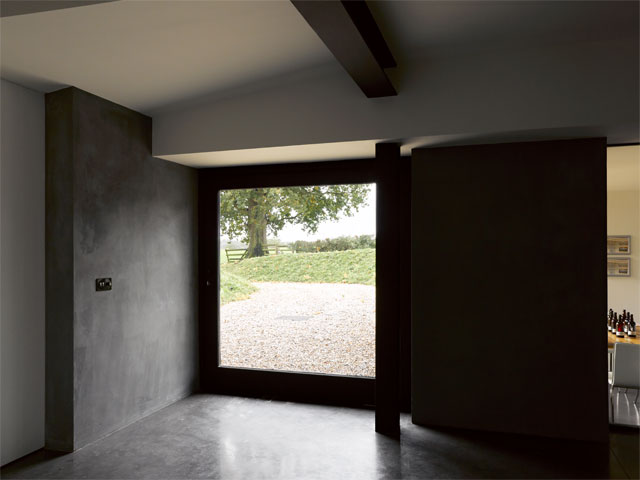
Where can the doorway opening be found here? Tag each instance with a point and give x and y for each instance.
(623, 332)
(297, 278)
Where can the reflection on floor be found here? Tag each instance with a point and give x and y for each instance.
(625, 410)
(211, 436)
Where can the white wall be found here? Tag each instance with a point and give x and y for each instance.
(623, 218)
(22, 318)
(593, 86)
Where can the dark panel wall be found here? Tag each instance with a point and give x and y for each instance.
(59, 149)
(134, 220)
(509, 288)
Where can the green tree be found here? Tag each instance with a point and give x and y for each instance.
(249, 214)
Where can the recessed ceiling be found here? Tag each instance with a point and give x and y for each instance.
(149, 54)
(366, 149)
(271, 155)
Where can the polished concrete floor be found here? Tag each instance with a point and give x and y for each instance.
(211, 436)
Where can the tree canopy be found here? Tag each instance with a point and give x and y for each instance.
(250, 214)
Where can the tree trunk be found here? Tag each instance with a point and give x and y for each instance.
(257, 224)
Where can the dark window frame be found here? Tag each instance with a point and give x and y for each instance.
(289, 386)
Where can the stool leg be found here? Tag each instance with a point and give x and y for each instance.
(611, 402)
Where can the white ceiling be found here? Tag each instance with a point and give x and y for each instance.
(152, 54)
(438, 27)
(148, 54)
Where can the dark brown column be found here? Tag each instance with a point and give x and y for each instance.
(387, 280)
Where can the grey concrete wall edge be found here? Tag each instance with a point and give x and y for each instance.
(135, 347)
(59, 152)
(114, 210)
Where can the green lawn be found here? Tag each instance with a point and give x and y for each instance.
(233, 287)
(350, 266)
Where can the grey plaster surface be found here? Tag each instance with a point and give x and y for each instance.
(209, 436)
(134, 220)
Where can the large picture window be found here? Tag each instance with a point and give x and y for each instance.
(297, 279)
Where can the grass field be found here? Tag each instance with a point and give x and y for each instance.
(350, 266)
(233, 287)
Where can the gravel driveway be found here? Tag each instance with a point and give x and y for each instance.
(308, 327)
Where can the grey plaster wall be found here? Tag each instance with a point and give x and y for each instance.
(134, 220)
(509, 288)
(22, 264)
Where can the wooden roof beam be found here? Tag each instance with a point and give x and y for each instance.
(349, 30)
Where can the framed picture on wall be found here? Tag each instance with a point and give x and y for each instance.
(619, 245)
(618, 267)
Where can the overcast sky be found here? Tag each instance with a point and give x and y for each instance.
(362, 223)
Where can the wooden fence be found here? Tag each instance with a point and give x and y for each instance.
(237, 254)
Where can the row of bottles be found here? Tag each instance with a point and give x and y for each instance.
(621, 325)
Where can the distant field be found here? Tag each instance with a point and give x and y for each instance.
(350, 266)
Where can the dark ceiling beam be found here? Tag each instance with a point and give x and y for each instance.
(368, 28)
(351, 34)
(10, 8)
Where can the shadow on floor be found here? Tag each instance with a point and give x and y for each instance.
(213, 436)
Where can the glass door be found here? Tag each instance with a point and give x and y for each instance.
(287, 257)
